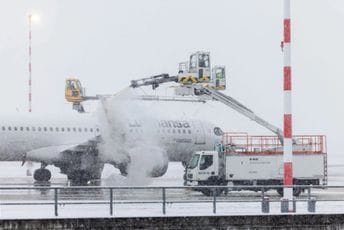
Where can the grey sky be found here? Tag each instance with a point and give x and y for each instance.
(108, 43)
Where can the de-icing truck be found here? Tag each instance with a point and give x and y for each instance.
(258, 160)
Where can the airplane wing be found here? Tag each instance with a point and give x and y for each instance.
(80, 162)
(48, 154)
(58, 153)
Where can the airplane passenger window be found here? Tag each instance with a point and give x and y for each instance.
(91, 130)
(79, 129)
(189, 131)
(9, 128)
(57, 129)
(45, 129)
(62, 129)
(97, 130)
(184, 131)
(33, 129)
(173, 131)
(51, 129)
(74, 129)
(178, 130)
(39, 128)
(21, 128)
(3, 128)
(68, 129)
(27, 128)
(169, 131)
(15, 129)
(85, 129)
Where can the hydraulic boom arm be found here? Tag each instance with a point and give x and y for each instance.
(199, 89)
(237, 106)
(154, 81)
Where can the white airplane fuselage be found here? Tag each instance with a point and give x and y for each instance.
(22, 136)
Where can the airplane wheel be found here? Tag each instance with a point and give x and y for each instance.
(42, 175)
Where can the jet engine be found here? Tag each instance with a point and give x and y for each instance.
(150, 161)
(160, 168)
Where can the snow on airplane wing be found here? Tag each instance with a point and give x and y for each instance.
(48, 154)
(51, 154)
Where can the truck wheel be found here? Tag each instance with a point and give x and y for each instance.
(212, 182)
(209, 192)
(280, 191)
(296, 191)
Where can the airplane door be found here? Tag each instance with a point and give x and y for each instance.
(199, 132)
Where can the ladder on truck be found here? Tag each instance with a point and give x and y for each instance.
(325, 180)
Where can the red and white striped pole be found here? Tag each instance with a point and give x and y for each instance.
(30, 21)
(288, 145)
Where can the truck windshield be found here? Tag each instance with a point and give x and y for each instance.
(206, 162)
(203, 60)
(194, 161)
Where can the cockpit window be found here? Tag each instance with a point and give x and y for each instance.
(218, 131)
(194, 161)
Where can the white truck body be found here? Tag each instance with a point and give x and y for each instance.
(258, 160)
(270, 167)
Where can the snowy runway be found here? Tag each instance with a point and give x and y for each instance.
(138, 202)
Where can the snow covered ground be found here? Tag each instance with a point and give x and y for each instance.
(12, 174)
(148, 210)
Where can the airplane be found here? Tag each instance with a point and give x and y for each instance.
(75, 143)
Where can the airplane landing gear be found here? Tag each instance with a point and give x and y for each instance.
(42, 174)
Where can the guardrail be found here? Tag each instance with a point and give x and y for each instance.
(161, 195)
(269, 144)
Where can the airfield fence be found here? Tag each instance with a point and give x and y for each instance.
(161, 196)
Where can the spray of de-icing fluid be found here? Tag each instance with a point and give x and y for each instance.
(128, 135)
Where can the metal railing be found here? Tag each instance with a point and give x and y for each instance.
(159, 195)
(267, 144)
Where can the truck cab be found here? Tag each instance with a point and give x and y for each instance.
(206, 168)
(203, 166)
